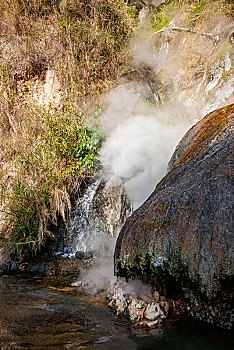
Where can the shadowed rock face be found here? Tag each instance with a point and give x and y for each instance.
(185, 226)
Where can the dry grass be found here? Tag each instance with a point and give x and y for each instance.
(82, 40)
(45, 153)
(195, 13)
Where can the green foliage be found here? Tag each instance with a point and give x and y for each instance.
(149, 265)
(159, 19)
(196, 9)
(163, 219)
(176, 269)
(70, 140)
(225, 75)
(65, 147)
(199, 11)
(24, 211)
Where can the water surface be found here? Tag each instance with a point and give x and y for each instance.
(35, 317)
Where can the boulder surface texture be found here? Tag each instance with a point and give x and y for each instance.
(186, 225)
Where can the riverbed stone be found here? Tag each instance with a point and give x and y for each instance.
(150, 324)
(84, 255)
(119, 302)
(156, 296)
(153, 311)
(165, 307)
(135, 310)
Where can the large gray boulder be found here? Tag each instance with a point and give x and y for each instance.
(184, 231)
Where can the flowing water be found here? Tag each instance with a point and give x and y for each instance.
(44, 319)
(96, 219)
(84, 226)
(34, 317)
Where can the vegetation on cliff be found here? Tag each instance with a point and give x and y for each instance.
(46, 149)
(49, 144)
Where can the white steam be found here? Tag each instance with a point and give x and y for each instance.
(119, 105)
(98, 276)
(137, 152)
(101, 277)
(141, 139)
(143, 53)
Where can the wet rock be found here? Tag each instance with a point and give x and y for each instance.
(40, 267)
(50, 266)
(150, 324)
(96, 218)
(135, 309)
(145, 311)
(110, 203)
(84, 255)
(155, 3)
(148, 3)
(77, 284)
(119, 303)
(156, 296)
(165, 307)
(232, 38)
(156, 310)
(153, 311)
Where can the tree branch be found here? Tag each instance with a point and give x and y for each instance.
(181, 29)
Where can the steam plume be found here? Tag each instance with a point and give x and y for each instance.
(140, 142)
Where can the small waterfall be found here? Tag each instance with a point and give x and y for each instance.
(96, 219)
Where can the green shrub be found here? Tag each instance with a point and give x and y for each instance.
(159, 19)
(26, 224)
(65, 148)
(70, 140)
(46, 154)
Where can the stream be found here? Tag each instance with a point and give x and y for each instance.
(35, 317)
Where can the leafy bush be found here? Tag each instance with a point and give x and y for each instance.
(63, 149)
(70, 140)
(159, 19)
(46, 154)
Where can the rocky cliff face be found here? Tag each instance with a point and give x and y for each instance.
(184, 230)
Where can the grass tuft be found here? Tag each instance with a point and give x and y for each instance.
(46, 153)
